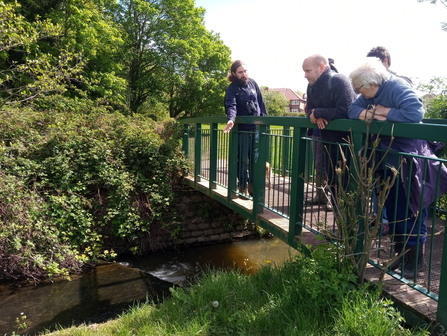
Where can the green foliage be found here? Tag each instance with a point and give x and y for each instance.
(151, 57)
(167, 40)
(26, 71)
(437, 107)
(100, 178)
(275, 102)
(89, 29)
(435, 102)
(434, 86)
(295, 114)
(30, 244)
(358, 310)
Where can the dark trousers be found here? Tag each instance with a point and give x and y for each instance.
(245, 158)
(334, 157)
(401, 218)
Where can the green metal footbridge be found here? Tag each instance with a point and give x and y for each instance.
(284, 180)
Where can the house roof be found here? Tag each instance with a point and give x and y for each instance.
(288, 93)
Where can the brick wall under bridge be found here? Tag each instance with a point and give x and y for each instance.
(200, 220)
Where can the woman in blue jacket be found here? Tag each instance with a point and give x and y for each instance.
(385, 97)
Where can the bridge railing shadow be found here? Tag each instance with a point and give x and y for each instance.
(284, 183)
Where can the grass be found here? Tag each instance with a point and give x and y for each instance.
(303, 296)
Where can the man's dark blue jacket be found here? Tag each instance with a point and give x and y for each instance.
(238, 100)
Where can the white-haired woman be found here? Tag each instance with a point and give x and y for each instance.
(385, 97)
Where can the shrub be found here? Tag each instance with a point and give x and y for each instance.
(101, 179)
(30, 244)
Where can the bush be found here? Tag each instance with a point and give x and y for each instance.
(101, 179)
(30, 244)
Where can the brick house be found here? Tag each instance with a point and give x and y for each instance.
(296, 103)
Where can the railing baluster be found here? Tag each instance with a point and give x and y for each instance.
(213, 155)
(198, 153)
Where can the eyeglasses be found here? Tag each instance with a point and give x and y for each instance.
(357, 90)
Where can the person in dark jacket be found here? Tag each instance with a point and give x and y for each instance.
(243, 98)
(320, 159)
(329, 95)
(384, 55)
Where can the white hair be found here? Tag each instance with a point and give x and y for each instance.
(371, 71)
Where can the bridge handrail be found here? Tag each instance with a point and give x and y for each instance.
(430, 129)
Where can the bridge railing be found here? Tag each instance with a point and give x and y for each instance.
(283, 144)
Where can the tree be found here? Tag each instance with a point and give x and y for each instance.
(199, 90)
(275, 102)
(89, 29)
(169, 55)
(68, 52)
(26, 72)
(142, 56)
(435, 101)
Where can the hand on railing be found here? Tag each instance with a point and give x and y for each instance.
(320, 121)
(229, 126)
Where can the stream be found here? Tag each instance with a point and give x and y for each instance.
(106, 291)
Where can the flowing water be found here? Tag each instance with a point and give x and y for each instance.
(106, 291)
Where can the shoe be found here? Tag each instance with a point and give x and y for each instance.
(318, 199)
(411, 262)
(243, 190)
(398, 246)
(250, 190)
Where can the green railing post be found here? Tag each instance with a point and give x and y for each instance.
(286, 148)
(198, 153)
(261, 148)
(297, 184)
(232, 162)
(310, 166)
(214, 128)
(441, 316)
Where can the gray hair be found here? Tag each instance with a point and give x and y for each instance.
(372, 71)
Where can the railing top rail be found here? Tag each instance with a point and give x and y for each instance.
(431, 129)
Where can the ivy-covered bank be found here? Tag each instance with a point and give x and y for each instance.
(80, 187)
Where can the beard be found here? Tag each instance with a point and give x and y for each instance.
(242, 81)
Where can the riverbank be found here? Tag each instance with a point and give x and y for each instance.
(104, 292)
(303, 296)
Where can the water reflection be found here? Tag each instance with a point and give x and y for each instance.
(106, 291)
